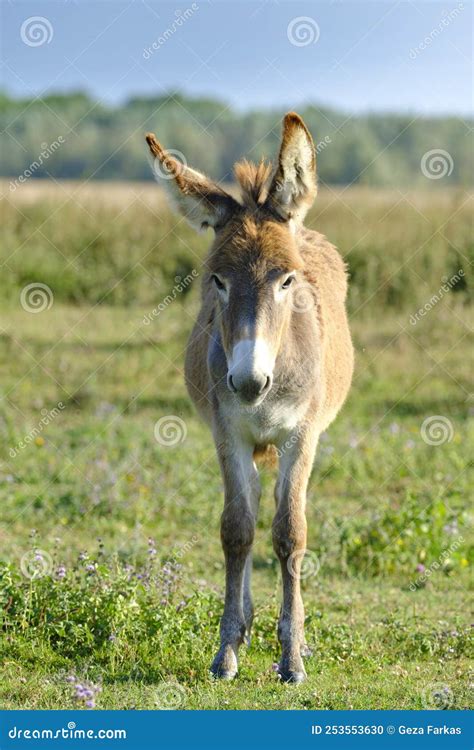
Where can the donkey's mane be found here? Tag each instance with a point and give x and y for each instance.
(254, 181)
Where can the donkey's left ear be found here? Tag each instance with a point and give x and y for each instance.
(294, 186)
(199, 199)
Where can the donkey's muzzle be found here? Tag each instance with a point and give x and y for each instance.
(249, 388)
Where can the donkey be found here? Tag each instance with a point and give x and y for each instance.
(268, 364)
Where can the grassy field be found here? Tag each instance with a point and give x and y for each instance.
(111, 572)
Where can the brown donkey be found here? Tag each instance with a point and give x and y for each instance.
(269, 363)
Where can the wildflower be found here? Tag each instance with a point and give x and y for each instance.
(394, 428)
(151, 547)
(61, 572)
(420, 568)
(451, 528)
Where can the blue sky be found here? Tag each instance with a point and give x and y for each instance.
(354, 56)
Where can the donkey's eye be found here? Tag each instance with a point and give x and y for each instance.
(219, 284)
(288, 282)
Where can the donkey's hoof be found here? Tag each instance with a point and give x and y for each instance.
(292, 670)
(222, 674)
(305, 651)
(224, 666)
(292, 677)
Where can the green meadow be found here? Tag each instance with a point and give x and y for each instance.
(111, 571)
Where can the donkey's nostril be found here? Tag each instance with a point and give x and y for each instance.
(231, 385)
(267, 385)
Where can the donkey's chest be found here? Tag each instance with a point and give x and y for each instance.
(270, 422)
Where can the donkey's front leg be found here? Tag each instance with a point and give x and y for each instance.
(237, 532)
(289, 542)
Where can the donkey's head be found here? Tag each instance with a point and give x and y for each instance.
(254, 264)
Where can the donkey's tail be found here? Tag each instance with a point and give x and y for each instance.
(266, 455)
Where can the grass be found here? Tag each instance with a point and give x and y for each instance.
(119, 535)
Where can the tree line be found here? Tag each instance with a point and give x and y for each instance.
(106, 142)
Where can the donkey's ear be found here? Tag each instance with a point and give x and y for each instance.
(294, 186)
(201, 201)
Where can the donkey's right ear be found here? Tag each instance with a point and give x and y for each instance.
(199, 199)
